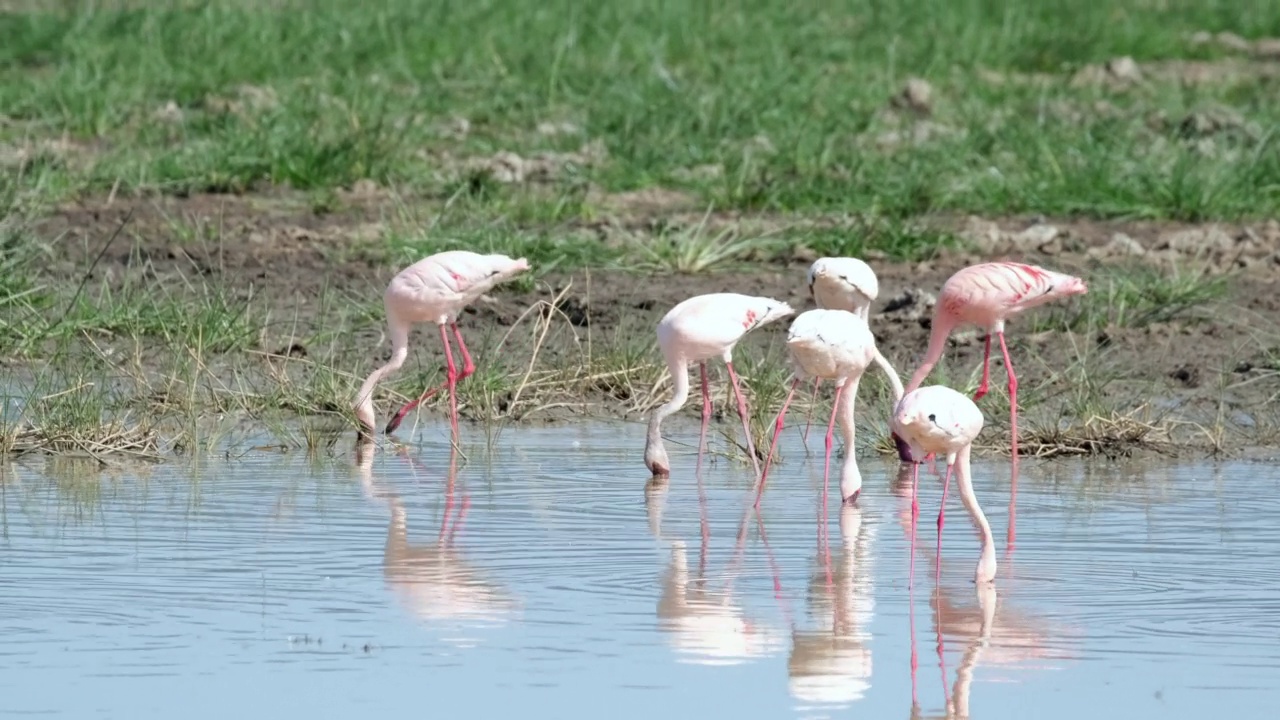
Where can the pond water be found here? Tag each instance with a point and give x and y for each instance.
(546, 578)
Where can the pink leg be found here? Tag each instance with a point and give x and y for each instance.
(777, 430)
(1013, 394)
(742, 412)
(468, 367)
(706, 416)
(986, 371)
(942, 511)
(1013, 509)
(915, 514)
(826, 467)
(462, 515)
(449, 383)
(808, 416)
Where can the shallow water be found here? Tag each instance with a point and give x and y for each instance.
(551, 581)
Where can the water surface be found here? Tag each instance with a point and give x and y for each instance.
(541, 575)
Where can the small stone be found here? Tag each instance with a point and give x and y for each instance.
(1125, 69)
(1232, 41)
(917, 95)
(1036, 236)
(1268, 48)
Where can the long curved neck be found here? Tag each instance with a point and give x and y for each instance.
(850, 477)
(653, 448)
(964, 478)
(894, 381)
(399, 332)
(937, 343)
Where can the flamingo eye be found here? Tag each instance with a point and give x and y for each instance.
(933, 418)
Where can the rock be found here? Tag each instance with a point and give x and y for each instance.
(984, 234)
(1036, 237)
(917, 96)
(169, 113)
(1232, 41)
(1197, 240)
(1124, 69)
(1121, 245)
(910, 305)
(558, 128)
(1268, 48)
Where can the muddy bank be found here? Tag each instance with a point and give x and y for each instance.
(1214, 359)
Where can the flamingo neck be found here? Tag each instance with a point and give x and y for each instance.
(895, 383)
(654, 451)
(942, 326)
(850, 477)
(987, 562)
(399, 333)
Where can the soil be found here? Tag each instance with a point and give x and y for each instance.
(277, 246)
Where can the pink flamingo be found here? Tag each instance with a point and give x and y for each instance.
(987, 295)
(696, 330)
(835, 345)
(840, 283)
(434, 289)
(937, 419)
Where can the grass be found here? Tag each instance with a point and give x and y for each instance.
(676, 139)
(753, 105)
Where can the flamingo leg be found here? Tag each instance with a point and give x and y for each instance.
(468, 367)
(742, 412)
(1013, 509)
(808, 416)
(831, 431)
(1013, 393)
(942, 509)
(986, 371)
(706, 415)
(777, 430)
(915, 515)
(450, 383)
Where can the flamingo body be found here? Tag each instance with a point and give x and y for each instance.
(833, 345)
(937, 419)
(435, 289)
(987, 295)
(694, 331)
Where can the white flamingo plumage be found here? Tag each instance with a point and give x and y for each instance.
(833, 345)
(840, 283)
(937, 419)
(694, 331)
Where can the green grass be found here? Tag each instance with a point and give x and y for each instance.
(1136, 297)
(783, 100)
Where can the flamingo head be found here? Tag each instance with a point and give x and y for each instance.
(502, 268)
(937, 419)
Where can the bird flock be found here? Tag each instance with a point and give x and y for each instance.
(831, 342)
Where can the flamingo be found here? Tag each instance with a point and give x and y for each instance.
(835, 345)
(987, 295)
(937, 419)
(840, 283)
(697, 330)
(434, 289)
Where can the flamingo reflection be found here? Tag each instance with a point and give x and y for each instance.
(1005, 639)
(832, 666)
(434, 581)
(706, 626)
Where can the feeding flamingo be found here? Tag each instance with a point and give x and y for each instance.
(434, 289)
(697, 330)
(835, 345)
(937, 419)
(987, 295)
(840, 283)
